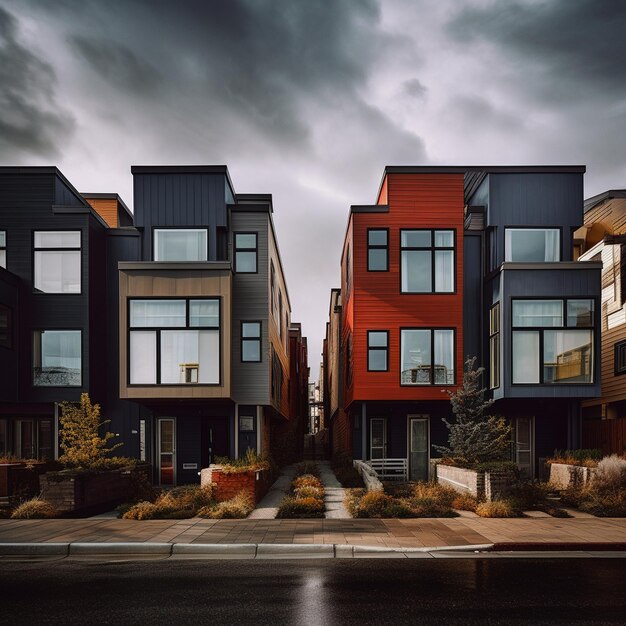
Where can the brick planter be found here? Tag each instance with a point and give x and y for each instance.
(90, 493)
(563, 476)
(20, 481)
(229, 484)
(487, 485)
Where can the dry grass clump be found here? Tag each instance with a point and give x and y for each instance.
(35, 508)
(309, 492)
(251, 461)
(441, 494)
(238, 507)
(464, 502)
(306, 480)
(178, 503)
(585, 457)
(306, 498)
(496, 508)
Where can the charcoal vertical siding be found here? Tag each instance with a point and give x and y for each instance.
(472, 297)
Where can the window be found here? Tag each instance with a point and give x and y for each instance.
(427, 261)
(174, 342)
(532, 245)
(279, 321)
(494, 346)
(377, 350)
(277, 377)
(246, 253)
(377, 250)
(552, 341)
(273, 289)
(251, 342)
(57, 261)
(57, 358)
(427, 356)
(620, 358)
(3, 248)
(180, 244)
(5, 327)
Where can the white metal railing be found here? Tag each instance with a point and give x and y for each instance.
(390, 469)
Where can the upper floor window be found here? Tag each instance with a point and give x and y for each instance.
(552, 341)
(246, 253)
(377, 350)
(5, 327)
(620, 358)
(57, 261)
(180, 244)
(3, 248)
(494, 346)
(251, 342)
(174, 341)
(427, 356)
(57, 358)
(532, 245)
(279, 321)
(427, 261)
(377, 250)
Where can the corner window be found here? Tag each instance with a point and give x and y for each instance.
(3, 248)
(552, 341)
(377, 350)
(251, 342)
(377, 250)
(57, 261)
(427, 261)
(494, 346)
(174, 342)
(6, 325)
(620, 358)
(532, 245)
(57, 358)
(180, 244)
(246, 253)
(427, 356)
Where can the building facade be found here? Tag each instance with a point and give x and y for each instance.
(176, 319)
(455, 262)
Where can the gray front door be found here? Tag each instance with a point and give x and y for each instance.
(247, 433)
(418, 447)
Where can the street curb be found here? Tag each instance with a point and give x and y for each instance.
(34, 549)
(131, 548)
(555, 546)
(214, 550)
(295, 551)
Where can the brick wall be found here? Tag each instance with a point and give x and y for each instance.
(229, 484)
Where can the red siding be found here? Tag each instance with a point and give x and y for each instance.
(415, 201)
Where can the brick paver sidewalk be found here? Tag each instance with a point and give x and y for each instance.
(396, 533)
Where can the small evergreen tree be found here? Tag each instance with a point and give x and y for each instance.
(474, 437)
(80, 437)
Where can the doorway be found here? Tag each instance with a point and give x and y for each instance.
(418, 447)
(378, 438)
(524, 445)
(166, 446)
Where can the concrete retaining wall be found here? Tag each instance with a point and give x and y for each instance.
(369, 476)
(564, 476)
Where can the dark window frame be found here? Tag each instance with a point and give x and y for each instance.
(255, 250)
(3, 248)
(618, 369)
(159, 329)
(384, 349)
(178, 227)
(533, 227)
(258, 340)
(82, 358)
(432, 356)
(494, 346)
(432, 249)
(378, 247)
(78, 249)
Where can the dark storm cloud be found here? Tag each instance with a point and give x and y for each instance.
(414, 88)
(569, 47)
(30, 121)
(475, 110)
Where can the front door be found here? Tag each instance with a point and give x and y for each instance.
(25, 439)
(166, 446)
(378, 438)
(418, 447)
(524, 445)
(247, 432)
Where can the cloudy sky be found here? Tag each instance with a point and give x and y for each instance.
(310, 99)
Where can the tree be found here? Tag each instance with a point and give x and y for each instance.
(80, 437)
(475, 436)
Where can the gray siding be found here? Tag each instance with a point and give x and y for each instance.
(251, 381)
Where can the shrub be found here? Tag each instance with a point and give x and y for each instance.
(528, 495)
(496, 508)
(429, 507)
(372, 504)
(238, 507)
(464, 502)
(309, 492)
(179, 503)
(307, 468)
(35, 508)
(140, 511)
(441, 494)
(250, 462)
(292, 507)
(611, 473)
(306, 480)
(587, 457)
(607, 504)
(345, 471)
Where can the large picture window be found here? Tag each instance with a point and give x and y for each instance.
(57, 261)
(532, 245)
(427, 261)
(245, 253)
(377, 250)
(57, 358)
(552, 341)
(180, 244)
(174, 342)
(427, 356)
(377, 350)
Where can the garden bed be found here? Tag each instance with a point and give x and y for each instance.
(19, 480)
(306, 497)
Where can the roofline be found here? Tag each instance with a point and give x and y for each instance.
(110, 196)
(461, 169)
(601, 197)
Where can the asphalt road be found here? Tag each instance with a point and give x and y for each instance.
(421, 591)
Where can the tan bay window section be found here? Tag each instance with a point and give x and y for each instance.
(174, 341)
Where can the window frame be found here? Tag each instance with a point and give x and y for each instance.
(258, 339)
(384, 349)
(78, 249)
(432, 353)
(255, 250)
(176, 228)
(3, 248)
(377, 247)
(432, 249)
(617, 369)
(494, 346)
(158, 329)
(559, 229)
(8, 343)
(32, 368)
(564, 327)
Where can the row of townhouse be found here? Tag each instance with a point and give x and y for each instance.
(458, 262)
(175, 318)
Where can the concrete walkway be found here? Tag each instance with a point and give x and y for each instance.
(268, 507)
(335, 493)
